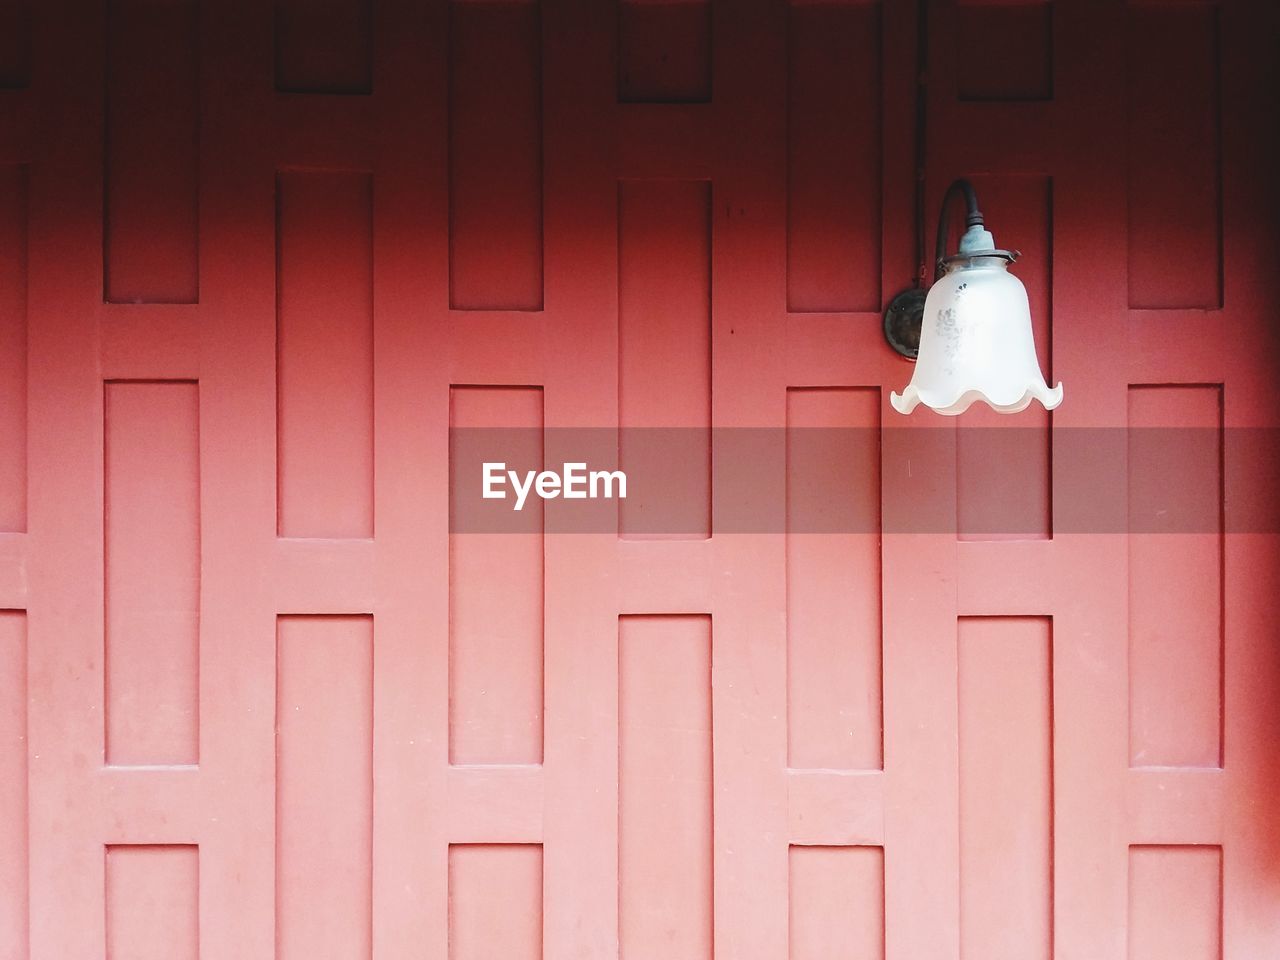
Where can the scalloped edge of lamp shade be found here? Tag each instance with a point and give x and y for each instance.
(911, 397)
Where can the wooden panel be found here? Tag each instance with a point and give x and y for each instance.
(324, 46)
(702, 824)
(151, 242)
(324, 354)
(495, 648)
(1174, 165)
(1003, 463)
(495, 155)
(833, 157)
(1007, 50)
(324, 787)
(495, 901)
(1006, 788)
(496, 803)
(664, 787)
(152, 531)
(1175, 903)
(153, 897)
(664, 357)
(1175, 575)
(833, 578)
(15, 44)
(13, 784)
(837, 902)
(13, 348)
(664, 51)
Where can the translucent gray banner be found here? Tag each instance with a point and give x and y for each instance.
(1005, 482)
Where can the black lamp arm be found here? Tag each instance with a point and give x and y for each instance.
(973, 218)
(903, 316)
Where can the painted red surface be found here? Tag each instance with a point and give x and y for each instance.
(258, 699)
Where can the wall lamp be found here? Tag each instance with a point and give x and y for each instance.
(970, 336)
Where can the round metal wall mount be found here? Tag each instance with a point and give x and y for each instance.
(902, 320)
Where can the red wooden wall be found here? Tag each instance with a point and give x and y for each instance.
(257, 700)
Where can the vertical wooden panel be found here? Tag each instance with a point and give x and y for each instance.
(496, 645)
(324, 354)
(1007, 50)
(151, 242)
(495, 901)
(1005, 701)
(664, 357)
(495, 155)
(324, 46)
(13, 784)
(1003, 464)
(1175, 903)
(833, 578)
(664, 787)
(664, 51)
(153, 902)
(324, 787)
(15, 44)
(1175, 575)
(837, 903)
(13, 348)
(152, 544)
(1174, 164)
(833, 157)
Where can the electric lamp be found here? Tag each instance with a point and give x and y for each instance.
(973, 329)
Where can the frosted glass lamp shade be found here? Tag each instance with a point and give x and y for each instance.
(976, 344)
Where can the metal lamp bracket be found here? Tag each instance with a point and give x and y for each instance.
(902, 321)
(905, 313)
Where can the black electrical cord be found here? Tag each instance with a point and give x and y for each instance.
(922, 120)
(973, 216)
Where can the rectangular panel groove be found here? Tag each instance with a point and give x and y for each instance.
(324, 46)
(834, 717)
(324, 354)
(151, 543)
(15, 44)
(324, 786)
(151, 235)
(13, 784)
(13, 348)
(664, 51)
(495, 648)
(1174, 125)
(1176, 552)
(833, 157)
(665, 786)
(836, 902)
(495, 901)
(495, 155)
(1175, 902)
(1005, 741)
(664, 358)
(153, 902)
